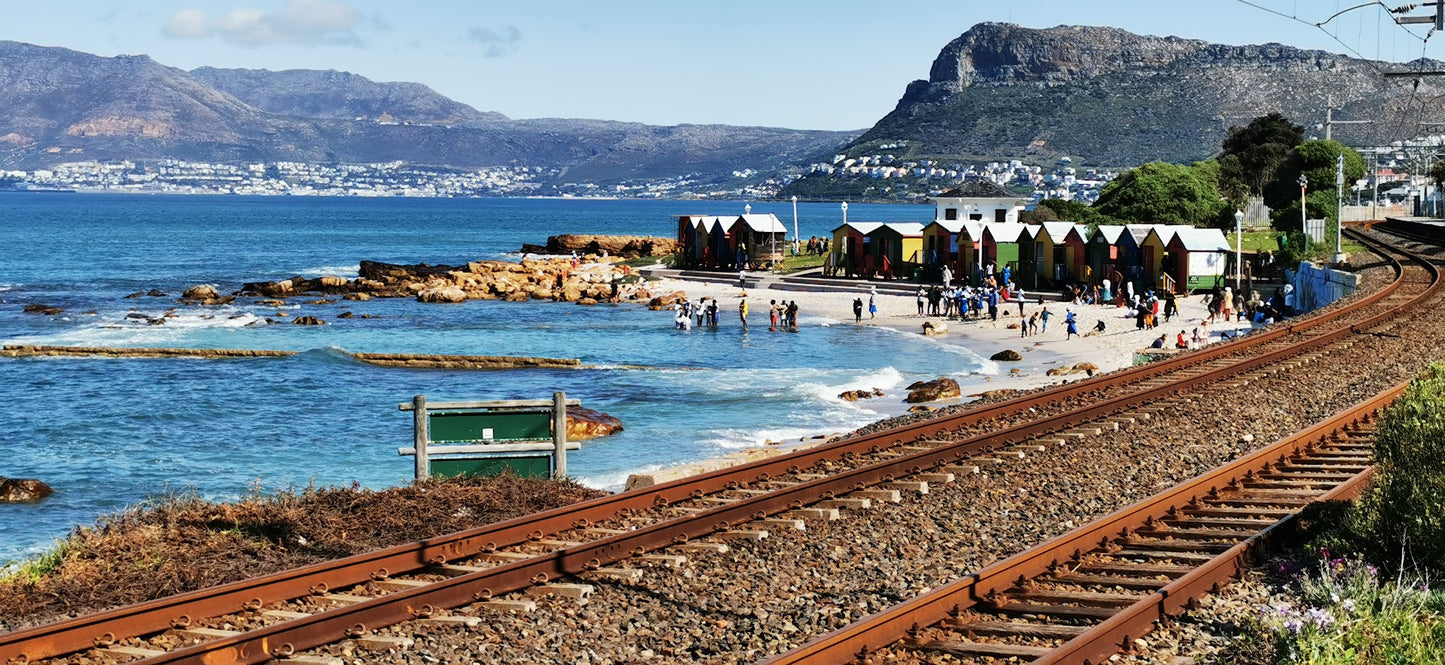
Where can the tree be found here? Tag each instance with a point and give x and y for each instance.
(1163, 193)
(1316, 161)
(1437, 173)
(1250, 155)
(1038, 215)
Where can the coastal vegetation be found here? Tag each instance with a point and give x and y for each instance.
(180, 542)
(1368, 590)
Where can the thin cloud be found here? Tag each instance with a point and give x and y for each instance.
(499, 43)
(298, 22)
(187, 24)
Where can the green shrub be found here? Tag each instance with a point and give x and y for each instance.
(1404, 511)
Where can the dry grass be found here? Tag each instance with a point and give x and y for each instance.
(181, 543)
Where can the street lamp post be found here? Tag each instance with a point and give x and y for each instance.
(1304, 183)
(1238, 246)
(1339, 256)
(795, 220)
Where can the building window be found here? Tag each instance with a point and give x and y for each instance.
(1000, 215)
(950, 213)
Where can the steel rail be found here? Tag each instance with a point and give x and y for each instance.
(852, 643)
(77, 634)
(325, 627)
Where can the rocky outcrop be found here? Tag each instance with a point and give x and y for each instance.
(855, 395)
(932, 391)
(307, 321)
(205, 294)
(47, 310)
(1117, 98)
(584, 423)
(1007, 355)
(934, 328)
(23, 490)
(620, 246)
(532, 279)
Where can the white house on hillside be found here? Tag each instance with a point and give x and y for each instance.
(978, 200)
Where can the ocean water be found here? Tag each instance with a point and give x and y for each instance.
(108, 433)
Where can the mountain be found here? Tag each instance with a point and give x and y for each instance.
(1107, 97)
(59, 105)
(333, 95)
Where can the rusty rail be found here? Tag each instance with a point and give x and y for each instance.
(853, 643)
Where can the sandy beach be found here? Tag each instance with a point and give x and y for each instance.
(1111, 350)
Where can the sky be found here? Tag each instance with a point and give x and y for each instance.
(835, 64)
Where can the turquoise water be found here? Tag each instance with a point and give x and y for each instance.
(109, 433)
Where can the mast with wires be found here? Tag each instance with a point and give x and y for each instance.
(1437, 19)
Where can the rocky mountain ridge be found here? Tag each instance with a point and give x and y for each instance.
(59, 105)
(1115, 98)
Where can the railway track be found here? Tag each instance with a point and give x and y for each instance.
(403, 583)
(1088, 594)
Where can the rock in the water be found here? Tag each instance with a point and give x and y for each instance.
(668, 300)
(931, 391)
(43, 309)
(587, 301)
(855, 395)
(585, 423)
(23, 490)
(356, 296)
(1008, 355)
(308, 321)
(932, 328)
(345, 315)
(137, 294)
(442, 294)
(156, 293)
(201, 292)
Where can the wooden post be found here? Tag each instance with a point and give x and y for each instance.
(419, 433)
(559, 433)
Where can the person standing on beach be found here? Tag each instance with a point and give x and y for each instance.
(743, 312)
(793, 314)
(922, 298)
(1044, 320)
(772, 315)
(857, 310)
(1034, 324)
(1072, 322)
(993, 306)
(1023, 325)
(872, 304)
(1021, 301)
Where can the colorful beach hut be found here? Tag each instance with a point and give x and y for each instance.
(1059, 251)
(721, 242)
(851, 246)
(999, 246)
(763, 235)
(941, 243)
(1199, 256)
(896, 249)
(1105, 251)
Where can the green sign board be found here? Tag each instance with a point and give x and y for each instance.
(473, 427)
(526, 465)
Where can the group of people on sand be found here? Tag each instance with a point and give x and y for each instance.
(969, 302)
